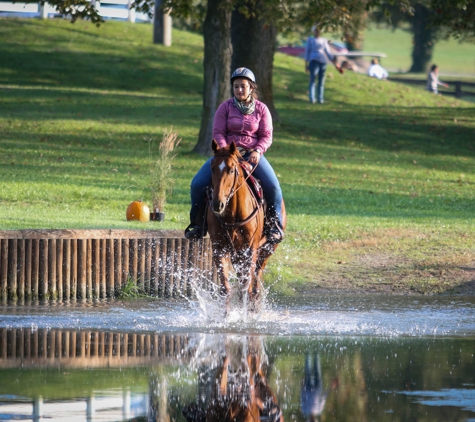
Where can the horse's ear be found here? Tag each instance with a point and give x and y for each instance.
(214, 145)
(232, 148)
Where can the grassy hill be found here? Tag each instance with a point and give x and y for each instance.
(378, 181)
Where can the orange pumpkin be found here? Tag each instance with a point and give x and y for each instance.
(137, 210)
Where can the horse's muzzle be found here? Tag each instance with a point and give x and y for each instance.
(218, 207)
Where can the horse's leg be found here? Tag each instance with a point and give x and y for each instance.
(244, 264)
(255, 288)
(264, 253)
(221, 262)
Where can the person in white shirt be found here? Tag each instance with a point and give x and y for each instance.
(433, 79)
(377, 71)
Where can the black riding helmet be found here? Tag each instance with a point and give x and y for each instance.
(243, 72)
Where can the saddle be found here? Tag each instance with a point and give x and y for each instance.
(253, 183)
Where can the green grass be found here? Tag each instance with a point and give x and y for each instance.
(380, 178)
(453, 57)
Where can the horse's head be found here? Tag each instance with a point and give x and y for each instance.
(225, 171)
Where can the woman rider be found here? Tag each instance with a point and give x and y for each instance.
(247, 122)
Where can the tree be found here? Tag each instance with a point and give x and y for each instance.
(424, 34)
(457, 16)
(217, 64)
(254, 44)
(354, 28)
(268, 16)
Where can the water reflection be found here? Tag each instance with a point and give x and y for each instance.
(233, 386)
(94, 375)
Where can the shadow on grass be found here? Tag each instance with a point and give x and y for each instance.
(60, 59)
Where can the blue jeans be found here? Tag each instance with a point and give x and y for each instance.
(264, 172)
(315, 68)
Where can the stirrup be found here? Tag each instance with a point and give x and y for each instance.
(194, 232)
(274, 234)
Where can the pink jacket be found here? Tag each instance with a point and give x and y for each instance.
(250, 131)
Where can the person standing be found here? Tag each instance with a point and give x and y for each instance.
(433, 79)
(317, 55)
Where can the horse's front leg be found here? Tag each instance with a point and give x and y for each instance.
(245, 264)
(221, 259)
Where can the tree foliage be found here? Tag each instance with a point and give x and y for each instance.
(458, 16)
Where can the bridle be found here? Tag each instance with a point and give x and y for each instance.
(233, 192)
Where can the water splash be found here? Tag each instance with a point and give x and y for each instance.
(340, 315)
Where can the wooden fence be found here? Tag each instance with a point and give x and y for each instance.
(457, 88)
(83, 264)
(108, 9)
(25, 347)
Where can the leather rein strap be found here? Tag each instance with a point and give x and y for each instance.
(233, 192)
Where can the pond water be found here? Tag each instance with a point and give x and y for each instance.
(325, 358)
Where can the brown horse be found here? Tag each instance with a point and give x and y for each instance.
(235, 219)
(239, 390)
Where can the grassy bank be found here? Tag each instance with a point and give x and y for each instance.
(378, 181)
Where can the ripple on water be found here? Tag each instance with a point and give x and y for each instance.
(318, 315)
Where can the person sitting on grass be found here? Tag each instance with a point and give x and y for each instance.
(377, 71)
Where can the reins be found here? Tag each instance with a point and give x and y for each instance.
(233, 192)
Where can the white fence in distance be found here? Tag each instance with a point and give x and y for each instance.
(108, 9)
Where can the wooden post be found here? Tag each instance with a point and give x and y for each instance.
(117, 266)
(134, 260)
(126, 261)
(110, 268)
(43, 276)
(3, 268)
(67, 270)
(169, 268)
(89, 264)
(74, 269)
(458, 89)
(191, 267)
(12, 273)
(35, 273)
(71, 264)
(103, 268)
(59, 268)
(52, 269)
(177, 268)
(141, 260)
(82, 259)
(29, 267)
(148, 264)
(96, 268)
(162, 270)
(184, 266)
(21, 268)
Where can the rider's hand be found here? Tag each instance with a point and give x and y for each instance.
(254, 157)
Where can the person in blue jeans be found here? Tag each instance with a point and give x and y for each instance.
(247, 122)
(317, 55)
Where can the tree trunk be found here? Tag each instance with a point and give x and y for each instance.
(424, 39)
(162, 25)
(217, 65)
(254, 45)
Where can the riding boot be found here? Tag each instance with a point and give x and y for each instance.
(273, 228)
(197, 228)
